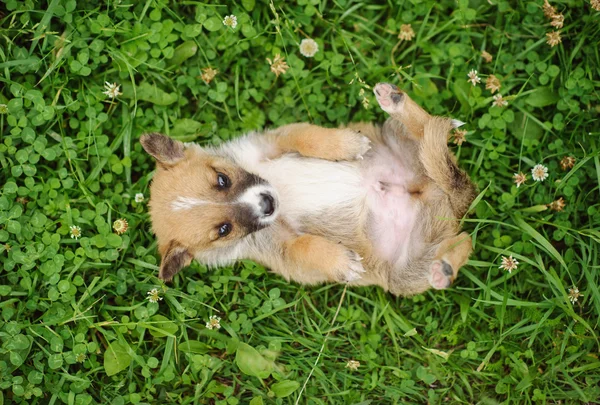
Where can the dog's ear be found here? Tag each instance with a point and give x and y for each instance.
(174, 258)
(165, 150)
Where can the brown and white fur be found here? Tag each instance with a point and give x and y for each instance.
(363, 204)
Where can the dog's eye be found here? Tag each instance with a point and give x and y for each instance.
(225, 229)
(223, 181)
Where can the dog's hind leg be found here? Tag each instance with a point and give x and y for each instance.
(435, 267)
(431, 134)
(401, 107)
(441, 166)
(450, 256)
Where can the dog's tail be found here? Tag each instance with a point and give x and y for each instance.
(440, 165)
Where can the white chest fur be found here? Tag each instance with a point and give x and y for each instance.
(308, 186)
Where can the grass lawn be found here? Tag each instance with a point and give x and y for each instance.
(77, 322)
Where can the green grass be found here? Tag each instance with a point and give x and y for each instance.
(75, 324)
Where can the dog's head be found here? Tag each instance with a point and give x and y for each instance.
(202, 201)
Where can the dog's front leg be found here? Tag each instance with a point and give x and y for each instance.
(318, 142)
(305, 139)
(311, 259)
(311, 256)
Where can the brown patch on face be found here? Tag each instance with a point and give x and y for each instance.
(189, 202)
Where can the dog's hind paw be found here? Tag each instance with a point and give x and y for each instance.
(441, 274)
(389, 97)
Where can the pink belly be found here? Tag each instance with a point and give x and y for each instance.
(393, 211)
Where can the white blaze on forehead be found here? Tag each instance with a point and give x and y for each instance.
(185, 203)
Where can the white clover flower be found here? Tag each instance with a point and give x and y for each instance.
(308, 47)
(208, 74)
(473, 78)
(539, 172)
(75, 232)
(499, 101)
(214, 322)
(278, 65)
(509, 263)
(230, 21)
(567, 162)
(492, 83)
(139, 198)
(120, 226)
(574, 294)
(3, 108)
(353, 365)
(520, 179)
(112, 90)
(557, 205)
(553, 38)
(153, 295)
(460, 136)
(406, 32)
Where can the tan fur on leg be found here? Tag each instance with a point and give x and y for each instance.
(322, 143)
(442, 168)
(310, 253)
(401, 107)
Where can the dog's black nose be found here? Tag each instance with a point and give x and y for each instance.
(267, 204)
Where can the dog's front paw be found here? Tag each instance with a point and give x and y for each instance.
(389, 97)
(351, 145)
(350, 268)
(441, 274)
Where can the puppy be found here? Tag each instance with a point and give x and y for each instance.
(364, 204)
